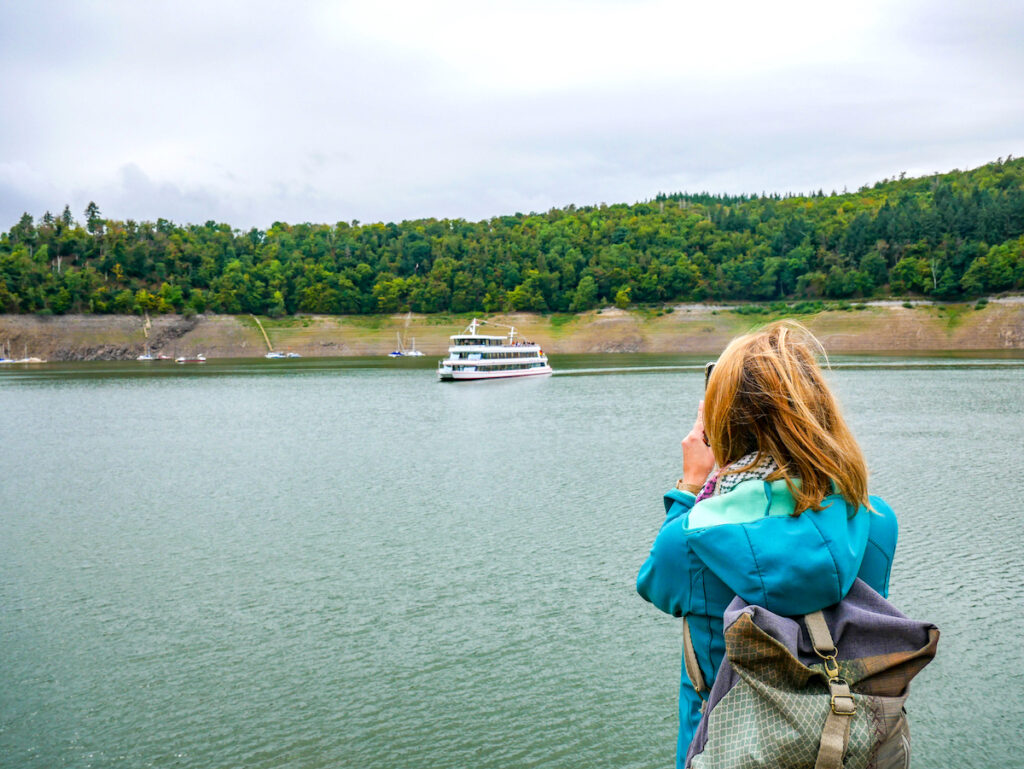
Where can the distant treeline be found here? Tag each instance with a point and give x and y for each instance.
(950, 235)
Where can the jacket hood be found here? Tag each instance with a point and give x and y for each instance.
(790, 565)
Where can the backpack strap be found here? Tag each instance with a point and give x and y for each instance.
(821, 638)
(692, 666)
(835, 736)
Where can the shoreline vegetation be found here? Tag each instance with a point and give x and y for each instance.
(881, 326)
(678, 273)
(948, 237)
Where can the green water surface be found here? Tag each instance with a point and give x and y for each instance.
(343, 563)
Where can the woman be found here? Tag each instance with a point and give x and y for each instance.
(785, 523)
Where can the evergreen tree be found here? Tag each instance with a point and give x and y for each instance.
(93, 220)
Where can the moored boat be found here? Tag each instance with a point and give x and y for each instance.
(481, 356)
(5, 352)
(399, 351)
(149, 356)
(200, 358)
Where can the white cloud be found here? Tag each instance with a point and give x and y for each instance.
(537, 47)
(254, 112)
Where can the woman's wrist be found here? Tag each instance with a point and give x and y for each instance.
(695, 476)
(684, 485)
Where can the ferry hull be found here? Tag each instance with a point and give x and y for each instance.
(466, 376)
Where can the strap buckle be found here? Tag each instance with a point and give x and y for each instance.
(841, 700)
(843, 704)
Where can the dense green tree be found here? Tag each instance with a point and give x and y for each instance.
(948, 285)
(874, 266)
(8, 301)
(622, 297)
(911, 274)
(949, 235)
(585, 295)
(124, 302)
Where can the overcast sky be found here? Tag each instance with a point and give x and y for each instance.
(253, 112)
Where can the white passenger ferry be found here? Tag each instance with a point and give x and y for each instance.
(478, 356)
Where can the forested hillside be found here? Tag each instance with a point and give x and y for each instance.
(950, 235)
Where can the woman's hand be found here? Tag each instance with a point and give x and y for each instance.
(698, 459)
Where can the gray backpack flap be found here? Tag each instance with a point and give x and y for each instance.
(823, 691)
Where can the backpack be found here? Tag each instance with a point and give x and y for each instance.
(825, 690)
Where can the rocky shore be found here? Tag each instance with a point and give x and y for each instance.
(879, 327)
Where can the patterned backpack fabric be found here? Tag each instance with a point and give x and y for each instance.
(823, 691)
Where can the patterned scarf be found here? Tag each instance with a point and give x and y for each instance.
(761, 470)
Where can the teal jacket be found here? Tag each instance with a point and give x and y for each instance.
(748, 543)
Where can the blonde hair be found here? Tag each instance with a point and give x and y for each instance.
(767, 394)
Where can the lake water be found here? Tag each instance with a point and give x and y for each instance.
(343, 563)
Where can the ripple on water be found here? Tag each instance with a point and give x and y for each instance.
(365, 569)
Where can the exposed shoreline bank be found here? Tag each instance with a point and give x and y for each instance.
(880, 327)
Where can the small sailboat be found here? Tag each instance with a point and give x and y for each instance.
(413, 352)
(400, 351)
(147, 355)
(28, 358)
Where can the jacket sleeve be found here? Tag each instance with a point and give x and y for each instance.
(881, 546)
(664, 577)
